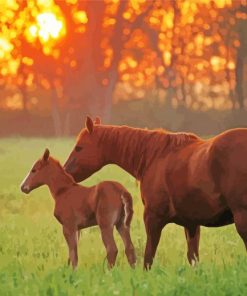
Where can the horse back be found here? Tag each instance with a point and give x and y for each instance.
(229, 162)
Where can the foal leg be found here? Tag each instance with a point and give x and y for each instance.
(154, 224)
(192, 234)
(78, 237)
(71, 239)
(129, 247)
(240, 219)
(110, 245)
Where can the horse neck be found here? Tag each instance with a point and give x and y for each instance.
(59, 181)
(128, 148)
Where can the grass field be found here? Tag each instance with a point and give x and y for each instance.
(33, 253)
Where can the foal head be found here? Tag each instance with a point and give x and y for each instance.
(86, 157)
(38, 174)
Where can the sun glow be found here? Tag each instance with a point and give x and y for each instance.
(217, 63)
(80, 17)
(48, 27)
(5, 47)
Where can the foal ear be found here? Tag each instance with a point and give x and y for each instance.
(46, 155)
(89, 124)
(97, 120)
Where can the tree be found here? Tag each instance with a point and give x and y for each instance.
(241, 52)
(88, 54)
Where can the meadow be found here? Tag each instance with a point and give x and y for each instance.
(33, 252)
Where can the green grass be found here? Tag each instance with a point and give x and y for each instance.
(33, 252)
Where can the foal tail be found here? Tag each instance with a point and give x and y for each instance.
(128, 207)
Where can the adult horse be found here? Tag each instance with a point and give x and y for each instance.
(183, 179)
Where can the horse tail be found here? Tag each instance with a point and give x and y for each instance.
(128, 207)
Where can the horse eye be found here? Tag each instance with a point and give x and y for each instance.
(33, 170)
(78, 148)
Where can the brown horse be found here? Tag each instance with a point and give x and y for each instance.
(107, 204)
(183, 179)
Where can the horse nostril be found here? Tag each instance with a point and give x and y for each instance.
(25, 189)
(70, 166)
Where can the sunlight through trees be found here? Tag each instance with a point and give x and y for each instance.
(70, 56)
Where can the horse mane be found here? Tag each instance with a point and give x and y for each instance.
(157, 139)
(136, 148)
(181, 139)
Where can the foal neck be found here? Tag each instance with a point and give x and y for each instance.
(59, 180)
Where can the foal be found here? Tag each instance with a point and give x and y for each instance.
(107, 204)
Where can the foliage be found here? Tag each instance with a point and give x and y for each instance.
(84, 55)
(33, 252)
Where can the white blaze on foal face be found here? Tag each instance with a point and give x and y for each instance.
(30, 182)
(36, 176)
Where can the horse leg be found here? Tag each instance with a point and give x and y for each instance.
(154, 224)
(71, 239)
(78, 235)
(110, 245)
(192, 234)
(240, 219)
(129, 247)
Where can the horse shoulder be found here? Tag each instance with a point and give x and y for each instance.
(59, 211)
(154, 174)
(154, 188)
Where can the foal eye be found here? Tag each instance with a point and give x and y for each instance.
(78, 148)
(33, 170)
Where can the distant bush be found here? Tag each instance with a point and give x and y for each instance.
(135, 113)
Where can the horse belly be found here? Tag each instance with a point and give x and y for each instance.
(199, 208)
(201, 200)
(222, 219)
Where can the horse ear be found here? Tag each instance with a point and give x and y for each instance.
(46, 155)
(89, 124)
(97, 120)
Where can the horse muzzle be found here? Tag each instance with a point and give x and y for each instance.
(70, 167)
(25, 188)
